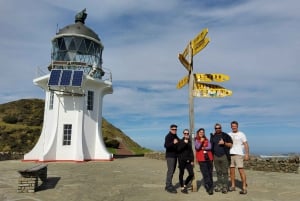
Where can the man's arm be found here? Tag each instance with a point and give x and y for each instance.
(246, 147)
(228, 141)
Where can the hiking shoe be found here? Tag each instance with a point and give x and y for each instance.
(243, 192)
(184, 190)
(224, 190)
(231, 188)
(170, 189)
(210, 191)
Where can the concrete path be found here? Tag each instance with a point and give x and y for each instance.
(134, 179)
(122, 150)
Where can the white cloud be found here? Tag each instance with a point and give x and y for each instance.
(254, 42)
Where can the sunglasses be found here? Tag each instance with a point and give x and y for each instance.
(174, 129)
(186, 133)
(218, 128)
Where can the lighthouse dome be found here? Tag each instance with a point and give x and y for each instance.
(78, 29)
(77, 43)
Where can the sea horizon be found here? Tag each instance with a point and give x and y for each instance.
(261, 154)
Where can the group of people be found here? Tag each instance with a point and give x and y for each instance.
(224, 151)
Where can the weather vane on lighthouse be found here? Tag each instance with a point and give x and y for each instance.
(75, 87)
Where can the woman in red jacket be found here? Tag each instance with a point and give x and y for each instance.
(205, 159)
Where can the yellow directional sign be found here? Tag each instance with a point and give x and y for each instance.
(182, 82)
(202, 85)
(217, 93)
(210, 77)
(186, 51)
(184, 62)
(199, 37)
(197, 47)
(210, 91)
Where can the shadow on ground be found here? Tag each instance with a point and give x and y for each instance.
(50, 183)
(127, 155)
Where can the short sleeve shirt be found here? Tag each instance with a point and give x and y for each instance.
(238, 139)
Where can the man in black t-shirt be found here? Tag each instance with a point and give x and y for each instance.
(221, 143)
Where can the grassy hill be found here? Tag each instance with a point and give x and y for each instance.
(21, 123)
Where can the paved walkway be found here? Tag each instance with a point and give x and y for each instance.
(122, 150)
(134, 179)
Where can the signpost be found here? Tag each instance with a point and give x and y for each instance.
(197, 47)
(201, 77)
(182, 82)
(200, 37)
(184, 62)
(210, 91)
(211, 77)
(186, 51)
(197, 85)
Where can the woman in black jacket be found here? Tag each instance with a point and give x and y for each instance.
(185, 159)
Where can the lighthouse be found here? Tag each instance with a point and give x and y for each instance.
(74, 86)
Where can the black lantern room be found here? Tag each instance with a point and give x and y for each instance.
(77, 47)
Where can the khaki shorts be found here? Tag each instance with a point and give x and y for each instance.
(237, 161)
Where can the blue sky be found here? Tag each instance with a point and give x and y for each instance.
(255, 42)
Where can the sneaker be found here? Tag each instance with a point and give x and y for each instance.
(224, 190)
(210, 191)
(206, 187)
(231, 188)
(217, 189)
(170, 189)
(184, 190)
(243, 192)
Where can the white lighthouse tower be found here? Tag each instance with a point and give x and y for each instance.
(74, 91)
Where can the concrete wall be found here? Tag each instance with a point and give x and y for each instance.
(11, 156)
(289, 164)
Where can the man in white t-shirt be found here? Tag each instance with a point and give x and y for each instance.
(238, 156)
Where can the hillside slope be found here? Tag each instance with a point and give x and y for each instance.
(21, 123)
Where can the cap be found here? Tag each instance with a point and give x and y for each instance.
(173, 126)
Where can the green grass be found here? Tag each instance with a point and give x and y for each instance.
(111, 150)
(23, 135)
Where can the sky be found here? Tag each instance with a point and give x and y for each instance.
(255, 42)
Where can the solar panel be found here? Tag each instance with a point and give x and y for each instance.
(77, 78)
(66, 78)
(54, 78)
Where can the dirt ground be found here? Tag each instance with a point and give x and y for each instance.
(134, 179)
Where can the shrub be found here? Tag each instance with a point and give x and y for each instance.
(10, 119)
(112, 143)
